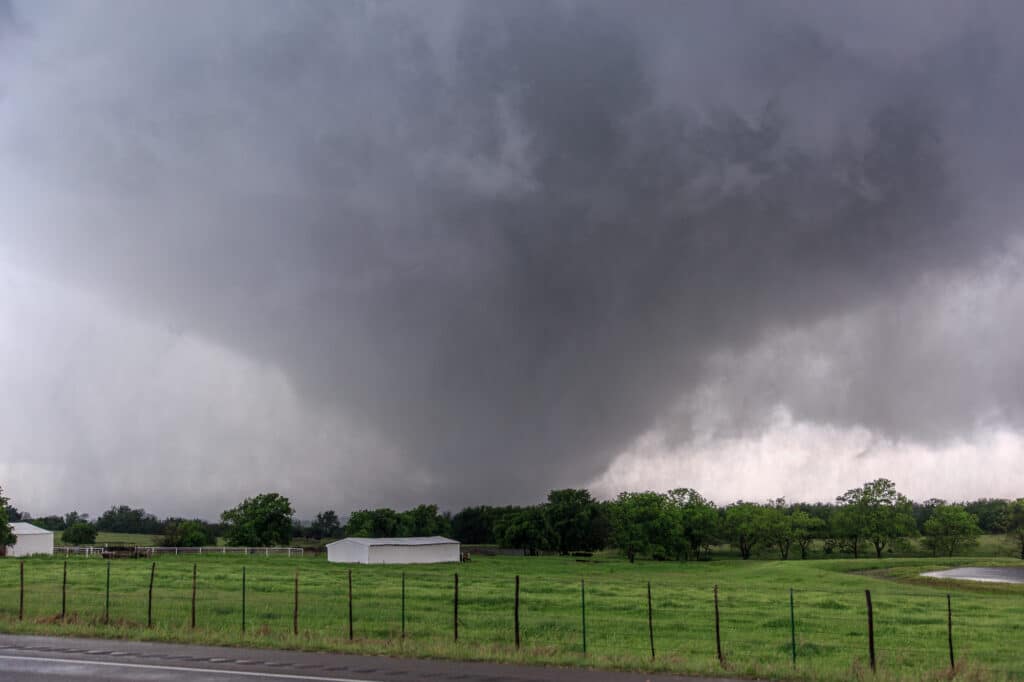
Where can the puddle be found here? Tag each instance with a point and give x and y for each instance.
(1006, 574)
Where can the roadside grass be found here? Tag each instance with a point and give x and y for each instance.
(829, 600)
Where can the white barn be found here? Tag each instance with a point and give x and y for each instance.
(431, 550)
(31, 540)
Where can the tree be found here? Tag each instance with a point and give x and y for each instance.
(326, 525)
(1015, 523)
(124, 519)
(526, 529)
(424, 520)
(7, 536)
(79, 533)
(879, 512)
(571, 514)
(950, 528)
(259, 521)
(645, 523)
(778, 531)
(806, 529)
(375, 523)
(187, 533)
(745, 526)
(700, 522)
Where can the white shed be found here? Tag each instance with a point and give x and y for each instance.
(31, 540)
(432, 550)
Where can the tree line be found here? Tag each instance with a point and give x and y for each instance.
(680, 524)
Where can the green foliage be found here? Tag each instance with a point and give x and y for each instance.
(1015, 524)
(646, 524)
(700, 521)
(527, 529)
(187, 533)
(950, 528)
(575, 519)
(79, 533)
(806, 529)
(7, 536)
(124, 519)
(259, 521)
(875, 512)
(746, 525)
(326, 525)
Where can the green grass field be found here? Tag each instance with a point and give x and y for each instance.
(830, 612)
(103, 537)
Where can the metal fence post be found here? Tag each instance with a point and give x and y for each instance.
(583, 612)
(871, 630)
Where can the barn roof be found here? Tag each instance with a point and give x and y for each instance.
(22, 528)
(378, 542)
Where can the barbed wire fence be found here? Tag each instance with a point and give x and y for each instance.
(557, 616)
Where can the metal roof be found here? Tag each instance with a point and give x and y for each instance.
(22, 528)
(413, 542)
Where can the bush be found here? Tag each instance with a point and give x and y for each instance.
(80, 533)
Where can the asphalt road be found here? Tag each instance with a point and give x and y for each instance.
(58, 659)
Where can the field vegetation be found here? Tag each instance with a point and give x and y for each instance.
(754, 605)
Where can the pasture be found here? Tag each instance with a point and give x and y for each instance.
(829, 611)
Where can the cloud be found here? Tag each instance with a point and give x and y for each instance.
(499, 242)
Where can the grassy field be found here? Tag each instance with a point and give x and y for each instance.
(830, 612)
(103, 537)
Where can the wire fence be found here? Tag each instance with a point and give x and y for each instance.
(552, 616)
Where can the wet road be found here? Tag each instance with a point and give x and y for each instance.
(57, 659)
(991, 574)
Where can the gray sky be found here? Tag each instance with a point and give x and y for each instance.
(389, 253)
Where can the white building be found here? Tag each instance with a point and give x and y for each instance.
(31, 540)
(432, 550)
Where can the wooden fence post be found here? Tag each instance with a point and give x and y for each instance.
(350, 634)
(64, 591)
(792, 625)
(149, 605)
(194, 596)
(21, 594)
(106, 603)
(295, 612)
(871, 629)
(455, 620)
(949, 630)
(517, 612)
(650, 618)
(243, 599)
(403, 604)
(718, 631)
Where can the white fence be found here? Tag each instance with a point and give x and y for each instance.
(150, 551)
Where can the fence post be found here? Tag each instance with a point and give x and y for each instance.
(871, 629)
(64, 591)
(403, 604)
(21, 593)
(650, 618)
(350, 604)
(149, 605)
(583, 611)
(718, 630)
(455, 620)
(295, 613)
(792, 624)
(106, 603)
(517, 612)
(949, 629)
(243, 599)
(193, 596)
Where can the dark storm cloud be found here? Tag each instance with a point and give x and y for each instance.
(508, 237)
